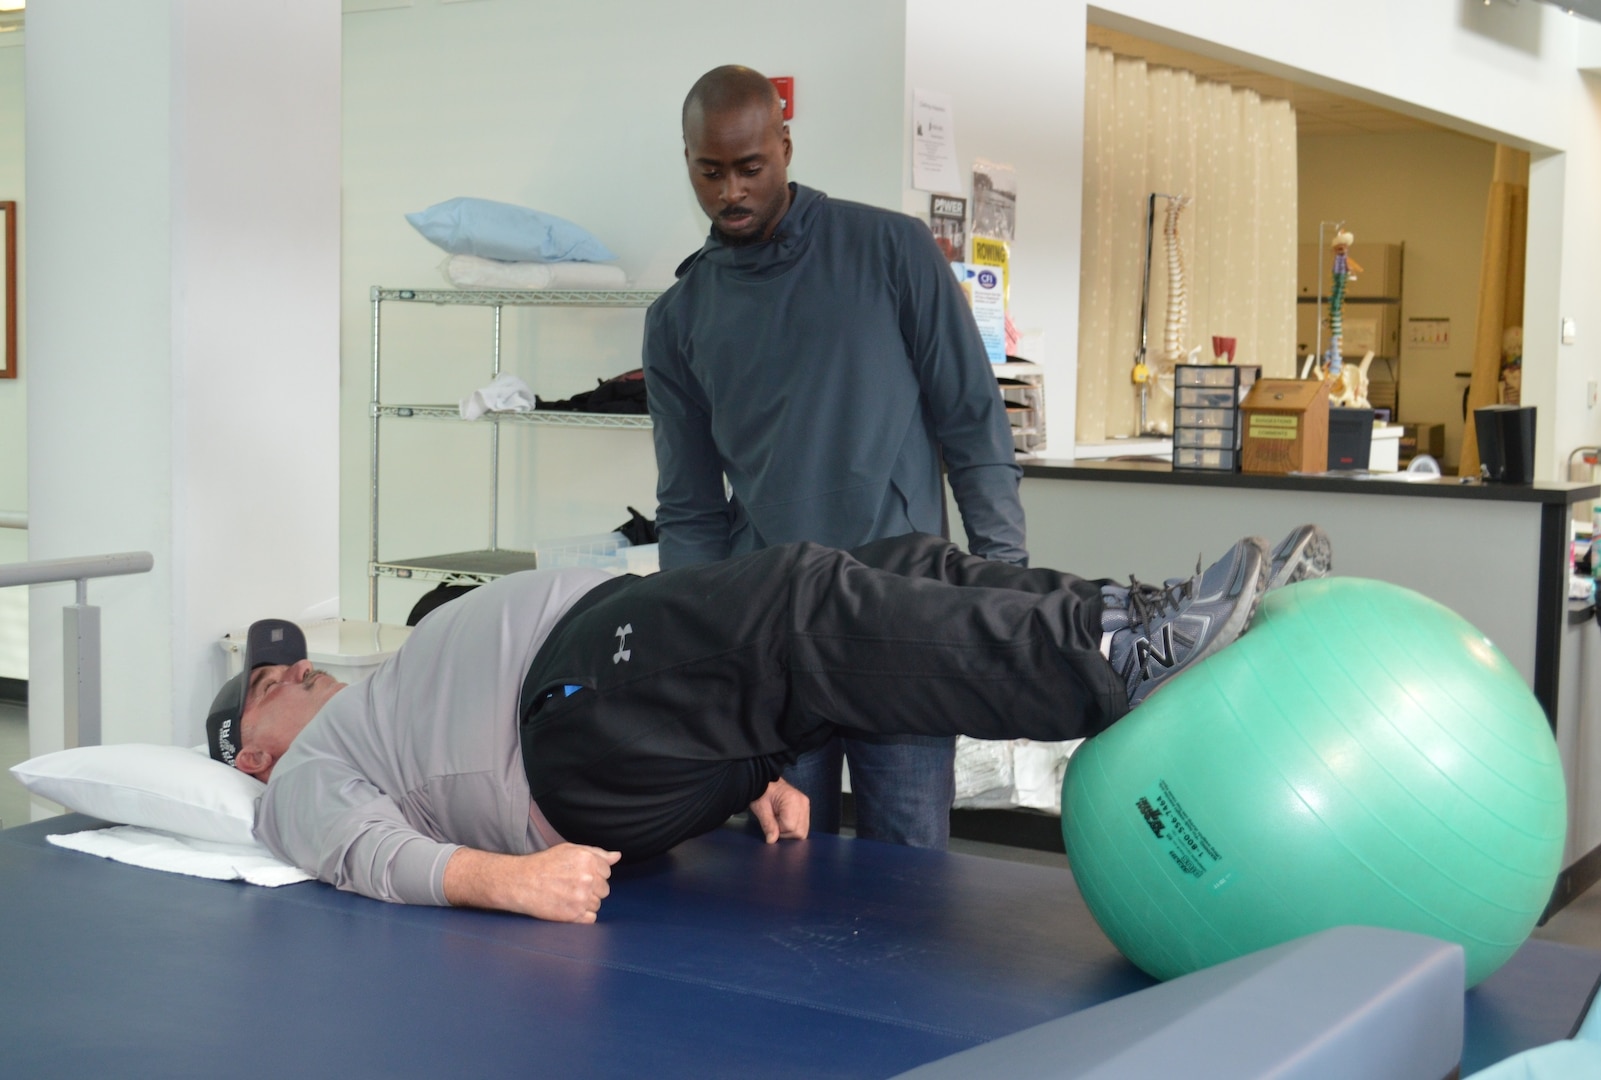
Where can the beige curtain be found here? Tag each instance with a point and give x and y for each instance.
(1506, 227)
(1158, 129)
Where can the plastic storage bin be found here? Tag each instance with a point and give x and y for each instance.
(1208, 418)
(1195, 458)
(601, 551)
(1208, 375)
(1207, 397)
(1211, 438)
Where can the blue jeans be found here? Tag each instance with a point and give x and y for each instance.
(903, 786)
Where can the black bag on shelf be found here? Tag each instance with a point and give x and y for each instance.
(435, 597)
(638, 529)
(623, 393)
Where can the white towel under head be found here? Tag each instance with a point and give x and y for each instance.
(175, 854)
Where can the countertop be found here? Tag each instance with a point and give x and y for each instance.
(1448, 487)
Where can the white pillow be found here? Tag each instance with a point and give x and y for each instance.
(170, 788)
(472, 272)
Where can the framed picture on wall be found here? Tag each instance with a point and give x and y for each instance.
(8, 291)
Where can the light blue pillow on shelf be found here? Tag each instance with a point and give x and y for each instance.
(497, 230)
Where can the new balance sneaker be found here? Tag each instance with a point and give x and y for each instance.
(1301, 556)
(1156, 631)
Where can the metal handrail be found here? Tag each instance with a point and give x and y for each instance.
(80, 569)
(13, 519)
(81, 629)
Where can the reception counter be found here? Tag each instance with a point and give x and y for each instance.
(1496, 554)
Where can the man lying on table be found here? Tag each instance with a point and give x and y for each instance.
(532, 732)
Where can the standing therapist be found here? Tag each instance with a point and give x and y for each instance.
(820, 355)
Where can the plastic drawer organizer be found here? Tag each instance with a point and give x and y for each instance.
(1206, 414)
(1185, 457)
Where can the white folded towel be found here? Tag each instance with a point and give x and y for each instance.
(175, 854)
(507, 393)
(472, 272)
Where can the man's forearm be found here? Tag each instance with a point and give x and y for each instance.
(564, 884)
(476, 878)
(692, 516)
(690, 544)
(992, 511)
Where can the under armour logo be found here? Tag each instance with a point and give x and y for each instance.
(1145, 652)
(622, 654)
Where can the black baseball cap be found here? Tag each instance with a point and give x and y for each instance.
(268, 641)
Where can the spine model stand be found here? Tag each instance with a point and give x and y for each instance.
(1178, 312)
(1177, 309)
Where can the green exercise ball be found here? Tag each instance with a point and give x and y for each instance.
(1362, 755)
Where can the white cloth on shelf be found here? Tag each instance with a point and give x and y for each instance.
(472, 272)
(507, 393)
(173, 854)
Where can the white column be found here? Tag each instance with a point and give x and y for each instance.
(1023, 107)
(1545, 358)
(183, 261)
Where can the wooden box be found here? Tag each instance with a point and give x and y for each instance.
(1286, 427)
(1422, 439)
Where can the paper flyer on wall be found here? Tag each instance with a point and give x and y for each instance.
(982, 284)
(988, 251)
(947, 217)
(934, 143)
(994, 200)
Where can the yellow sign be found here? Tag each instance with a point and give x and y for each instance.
(991, 252)
(1274, 427)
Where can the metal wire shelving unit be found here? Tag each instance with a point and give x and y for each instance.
(488, 563)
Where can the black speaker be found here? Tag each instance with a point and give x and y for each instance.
(1350, 438)
(1506, 443)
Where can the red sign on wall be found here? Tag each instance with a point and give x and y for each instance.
(786, 91)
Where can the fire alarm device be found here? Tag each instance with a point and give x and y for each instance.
(786, 93)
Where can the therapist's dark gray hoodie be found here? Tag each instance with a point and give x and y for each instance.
(824, 371)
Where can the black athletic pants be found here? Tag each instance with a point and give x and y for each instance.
(700, 684)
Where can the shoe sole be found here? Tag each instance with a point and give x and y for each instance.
(1305, 554)
(1239, 619)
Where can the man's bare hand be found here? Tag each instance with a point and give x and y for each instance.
(563, 884)
(783, 811)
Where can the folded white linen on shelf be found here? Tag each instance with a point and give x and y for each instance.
(472, 272)
(507, 393)
(173, 854)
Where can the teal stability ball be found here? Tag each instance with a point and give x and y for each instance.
(1362, 755)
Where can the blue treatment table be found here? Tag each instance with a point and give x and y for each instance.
(724, 958)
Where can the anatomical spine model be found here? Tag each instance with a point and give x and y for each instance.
(1345, 270)
(1348, 386)
(1177, 326)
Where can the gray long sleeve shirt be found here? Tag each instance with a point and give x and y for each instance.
(825, 372)
(399, 770)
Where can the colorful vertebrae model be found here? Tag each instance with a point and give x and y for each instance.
(1345, 269)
